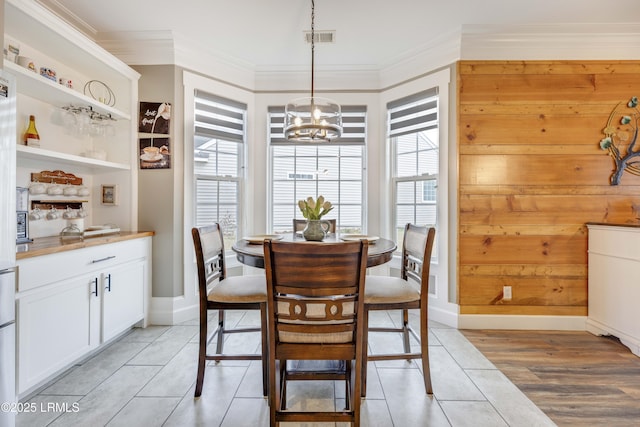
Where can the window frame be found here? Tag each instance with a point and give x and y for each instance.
(395, 180)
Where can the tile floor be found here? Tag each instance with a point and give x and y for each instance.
(146, 378)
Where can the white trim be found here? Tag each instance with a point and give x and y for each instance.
(446, 315)
(172, 310)
(522, 322)
(597, 328)
(552, 41)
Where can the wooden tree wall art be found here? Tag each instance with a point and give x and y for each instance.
(621, 136)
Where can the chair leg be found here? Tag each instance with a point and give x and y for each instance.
(274, 391)
(347, 385)
(405, 331)
(265, 349)
(220, 332)
(424, 348)
(365, 352)
(354, 394)
(283, 385)
(202, 353)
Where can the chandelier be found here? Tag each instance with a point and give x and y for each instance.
(312, 119)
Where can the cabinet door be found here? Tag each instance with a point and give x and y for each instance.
(123, 298)
(55, 328)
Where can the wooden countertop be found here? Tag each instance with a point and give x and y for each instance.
(53, 244)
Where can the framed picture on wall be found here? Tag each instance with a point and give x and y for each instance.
(109, 194)
(155, 153)
(154, 117)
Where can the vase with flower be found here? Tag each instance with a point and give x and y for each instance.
(313, 211)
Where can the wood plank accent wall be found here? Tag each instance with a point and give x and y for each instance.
(531, 174)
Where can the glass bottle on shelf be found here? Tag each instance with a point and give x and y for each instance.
(31, 136)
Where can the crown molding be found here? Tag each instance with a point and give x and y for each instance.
(69, 17)
(440, 52)
(532, 42)
(535, 42)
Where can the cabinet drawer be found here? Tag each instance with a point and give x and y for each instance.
(39, 271)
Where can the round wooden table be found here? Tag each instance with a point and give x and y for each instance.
(252, 254)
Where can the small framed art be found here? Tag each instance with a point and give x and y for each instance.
(109, 194)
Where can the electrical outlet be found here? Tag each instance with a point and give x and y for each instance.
(506, 293)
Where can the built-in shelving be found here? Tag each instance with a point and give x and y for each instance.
(37, 86)
(52, 43)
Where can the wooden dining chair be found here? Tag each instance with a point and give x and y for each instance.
(300, 224)
(219, 292)
(314, 298)
(409, 291)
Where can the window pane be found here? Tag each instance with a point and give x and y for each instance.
(351, 168)
(351, 192)
(328, 168)
(282, 167)
(330, 191)
(305, 189)
(405, 192)
(406, 164)
(282, 191)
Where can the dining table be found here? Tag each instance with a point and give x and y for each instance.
(250, 250)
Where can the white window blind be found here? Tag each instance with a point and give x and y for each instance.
(414, 113)
(333, 169)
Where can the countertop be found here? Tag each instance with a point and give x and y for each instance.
(51, 245)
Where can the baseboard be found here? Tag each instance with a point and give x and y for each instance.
(445, 317)
(171, 311)
(597, 328)
(552, 323)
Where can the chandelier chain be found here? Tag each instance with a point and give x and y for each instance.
(313, 45)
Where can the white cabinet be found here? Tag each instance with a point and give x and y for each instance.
(54, 44)
(70, 303)
(54, 329)
(122, 297)
(614, 288)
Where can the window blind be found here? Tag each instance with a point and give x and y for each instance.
(218, 117)
(414, 113)
(353, 127)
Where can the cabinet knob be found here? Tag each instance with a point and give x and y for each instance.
(108, 287)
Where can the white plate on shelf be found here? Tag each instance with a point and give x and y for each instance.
(355, 237)
(259, 238)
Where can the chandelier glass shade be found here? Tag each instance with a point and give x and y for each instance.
(312, 119)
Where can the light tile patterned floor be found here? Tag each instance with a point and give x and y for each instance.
(147, 379)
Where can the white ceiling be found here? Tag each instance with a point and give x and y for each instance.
(370, 34)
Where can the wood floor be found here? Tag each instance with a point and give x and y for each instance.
(576, 378)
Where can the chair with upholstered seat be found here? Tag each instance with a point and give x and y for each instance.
(300, 224)
(219, 292)
(314, 298)
(409, 291)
